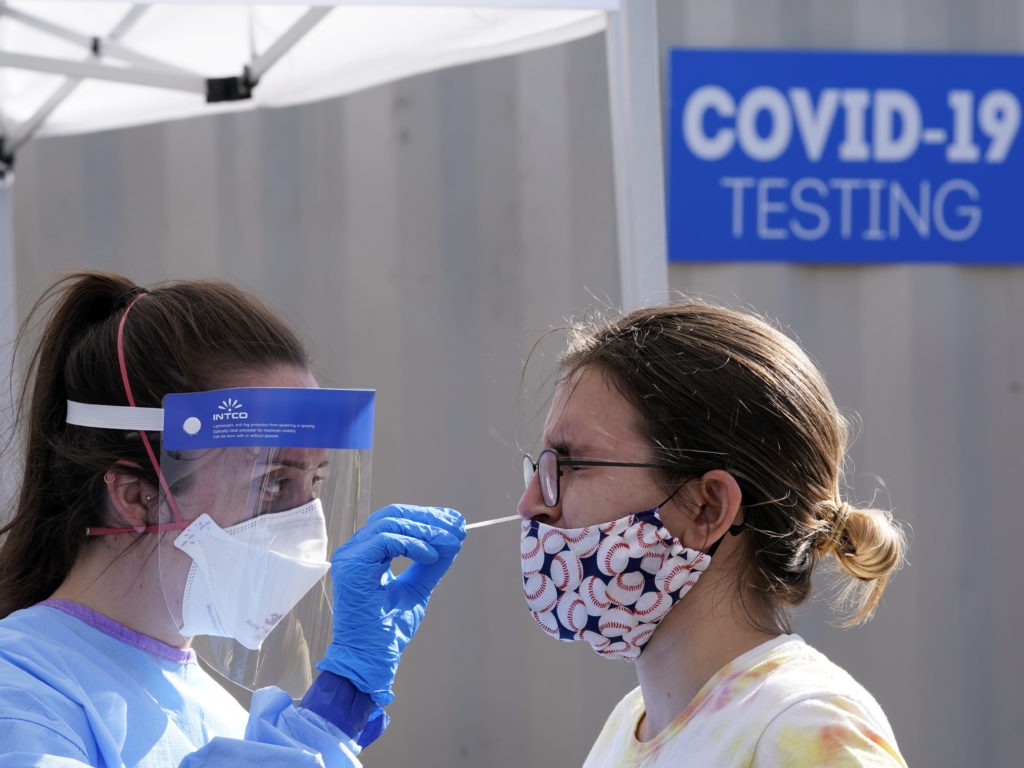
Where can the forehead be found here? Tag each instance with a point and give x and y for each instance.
(589, 415)
(303, 459)
(256, 460)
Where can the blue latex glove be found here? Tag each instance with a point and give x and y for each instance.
(375, 612)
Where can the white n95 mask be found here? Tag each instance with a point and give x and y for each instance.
(609, 585)
(245, 578)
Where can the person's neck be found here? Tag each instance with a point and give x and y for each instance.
(122, 583)
(700, 635)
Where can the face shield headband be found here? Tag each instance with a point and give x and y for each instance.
(287, 418)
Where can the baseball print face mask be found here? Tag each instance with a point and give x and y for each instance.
(609, 584)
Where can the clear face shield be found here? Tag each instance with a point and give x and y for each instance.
(259, 486)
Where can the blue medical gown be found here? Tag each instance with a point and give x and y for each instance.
(77, 692)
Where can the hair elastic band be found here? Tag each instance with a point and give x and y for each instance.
(842, 516)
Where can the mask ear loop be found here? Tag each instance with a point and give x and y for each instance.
(734, 530)
(181, 521)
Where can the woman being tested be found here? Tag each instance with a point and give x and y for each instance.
(171, 493)
(689, 484)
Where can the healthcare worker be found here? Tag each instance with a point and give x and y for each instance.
(185, 480)
(688, 485)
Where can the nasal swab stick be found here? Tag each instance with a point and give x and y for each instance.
(493, 522)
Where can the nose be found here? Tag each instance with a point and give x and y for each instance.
(531, 505)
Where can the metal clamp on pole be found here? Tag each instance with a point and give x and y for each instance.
(6, 161)
(235, 88)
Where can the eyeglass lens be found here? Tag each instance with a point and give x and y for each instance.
(529, 469)
(547, 467)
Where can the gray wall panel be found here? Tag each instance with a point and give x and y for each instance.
(929, 359)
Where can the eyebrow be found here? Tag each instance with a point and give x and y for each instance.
(565, 449)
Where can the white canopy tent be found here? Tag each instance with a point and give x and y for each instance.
(88, 65)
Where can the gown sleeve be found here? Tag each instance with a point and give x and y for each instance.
(277, 733)
(280, 733)
(340, 702)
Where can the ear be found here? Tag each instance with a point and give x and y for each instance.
(131, 498)
(715, 498)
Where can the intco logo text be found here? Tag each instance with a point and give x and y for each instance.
(230, 409)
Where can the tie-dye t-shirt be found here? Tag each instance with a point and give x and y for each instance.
(780, 705)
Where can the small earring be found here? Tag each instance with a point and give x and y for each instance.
(148, 499)
(109, 477)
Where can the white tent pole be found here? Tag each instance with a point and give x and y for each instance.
(98, 45)
(8, 294)
(25, 131)
(8, 332)
(287, 41)
(635, 96)
(174, 81)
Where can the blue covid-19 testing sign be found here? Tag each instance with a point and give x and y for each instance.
(830, 157)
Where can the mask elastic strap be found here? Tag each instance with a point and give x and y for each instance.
(181, 522)
(671, 495)
(735, 530)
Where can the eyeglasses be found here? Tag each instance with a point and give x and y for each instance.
(549, 467)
